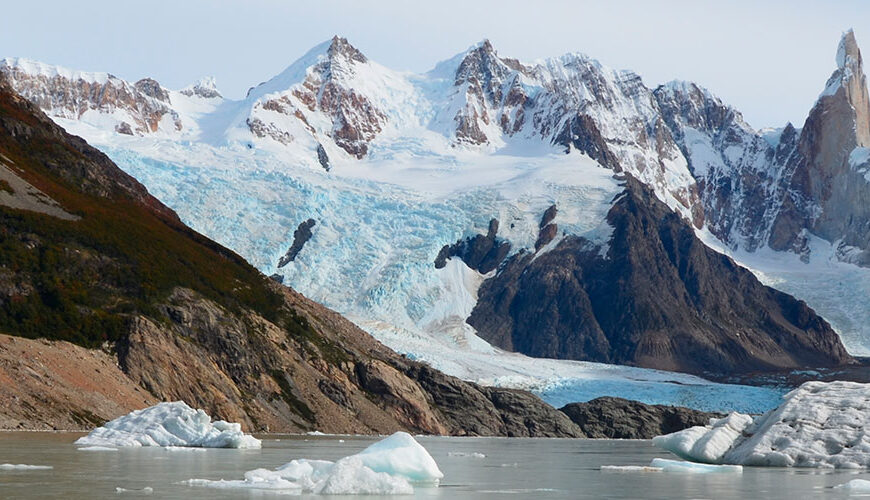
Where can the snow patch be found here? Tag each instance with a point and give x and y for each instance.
(169, 424)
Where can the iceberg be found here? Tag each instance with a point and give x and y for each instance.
(693, 467)
(19, 467)
(855, 486)
(819, 424)
(169, 424)
(388, 467)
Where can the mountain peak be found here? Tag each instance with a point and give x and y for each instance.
(205, 87)
(339, 46)
(848, 50)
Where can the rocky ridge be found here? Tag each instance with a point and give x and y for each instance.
(654, 297)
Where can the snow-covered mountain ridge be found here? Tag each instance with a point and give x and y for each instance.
(392, 166)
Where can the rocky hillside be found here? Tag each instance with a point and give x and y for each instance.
(615, 418)
(89, 259)
(655, 297)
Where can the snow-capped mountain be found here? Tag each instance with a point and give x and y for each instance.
(392, 166)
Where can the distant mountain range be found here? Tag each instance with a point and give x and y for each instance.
(397, 177)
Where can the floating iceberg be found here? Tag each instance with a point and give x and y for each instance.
(817, 425)
(665, 465)
(388, 467)
(464, 454)
(855, 486)
(629, 468)
(24, 467)
(693, 467)
(169, 424)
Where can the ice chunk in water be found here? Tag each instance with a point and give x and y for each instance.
(679, 466)
(169, 424)
(818, 424)
(387, 467)
(24, 467)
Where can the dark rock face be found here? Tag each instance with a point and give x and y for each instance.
(659, 298)
(300, 237)
(483, 411)
(323, 158)
(481, 253)
(617, 418)
(826, 193)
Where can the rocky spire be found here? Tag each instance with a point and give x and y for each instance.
(826, 195)
(849, 77)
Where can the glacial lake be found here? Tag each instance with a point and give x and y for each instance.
(511, 468)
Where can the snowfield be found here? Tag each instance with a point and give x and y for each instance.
(817, 425)
(389, 467)
(168, 424)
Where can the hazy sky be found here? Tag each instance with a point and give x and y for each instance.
(770, 59)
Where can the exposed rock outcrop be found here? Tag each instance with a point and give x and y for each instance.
(71, 94)
(657, 297)
(617, 418)
(300, 237)
(483, 253)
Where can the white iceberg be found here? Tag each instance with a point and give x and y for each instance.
(818, 424)
(629, 468)
(855, 486)
(666, 465)
(24, 467)
(388, 467)
(169, 424)
(473, 454)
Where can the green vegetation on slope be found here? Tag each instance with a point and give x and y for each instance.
(80, 280)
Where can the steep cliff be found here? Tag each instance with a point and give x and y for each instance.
(655, 297)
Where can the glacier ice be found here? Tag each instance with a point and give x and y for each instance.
(23, 467)
(855, 485)
(693, 467)
(666, 465)
(819, 424)
(171, 425)
(388, 467)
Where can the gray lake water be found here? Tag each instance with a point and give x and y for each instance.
(512, 468)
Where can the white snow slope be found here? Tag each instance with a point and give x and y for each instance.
(381, 219)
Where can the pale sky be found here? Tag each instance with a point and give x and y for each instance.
(769, 59)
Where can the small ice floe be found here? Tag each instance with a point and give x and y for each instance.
(665, 465)
(144, 491)
(97, 448)
(388, 467)
(818, 424)
(24, 467)
(680, 466)
(464, 454)
(629, 468)
(855, 486)
(169, 424)
(315, 433)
